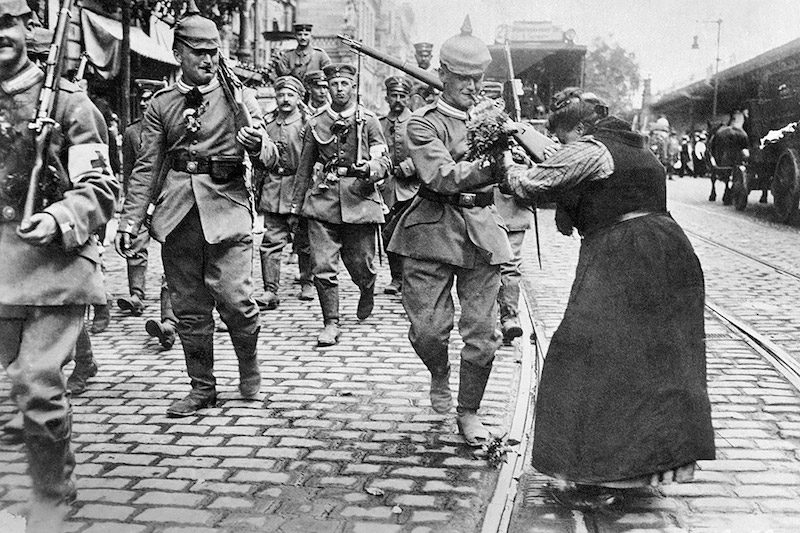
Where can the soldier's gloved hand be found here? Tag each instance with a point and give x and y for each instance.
(250, 138)
(123, 243)
(42, 229)
(361, 171)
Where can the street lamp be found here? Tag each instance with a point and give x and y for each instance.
(696, 46)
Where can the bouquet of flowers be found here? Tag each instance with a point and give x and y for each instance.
(486, 132)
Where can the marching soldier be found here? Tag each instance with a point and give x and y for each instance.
(452, 232)
(517, 217)
(421, 94)
(280, 152)
(342, 203)
(192, 164)
(49, 270)
(304, 58)
(317, 87)
(402, 186)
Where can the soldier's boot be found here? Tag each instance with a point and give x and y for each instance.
(198, 351)
(163, 331)
(12, 430)
(51, 465)
(508, 298)
(306, 283)
(441, 395)
(329, 302)
(246, 348)
(85, 365)
(101, 318)
(396, 271)
(271, 275)
(472, 385)
(366, 302)
(134, 304)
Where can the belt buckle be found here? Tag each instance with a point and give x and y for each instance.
(341, 171)
(9, 213)
(467, 199)
(191, 167)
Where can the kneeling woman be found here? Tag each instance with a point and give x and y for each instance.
(622, 400)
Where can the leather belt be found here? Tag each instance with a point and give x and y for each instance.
(199, 165)
(464, 199)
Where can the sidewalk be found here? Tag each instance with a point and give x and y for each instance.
(343, 440)
(753, 486)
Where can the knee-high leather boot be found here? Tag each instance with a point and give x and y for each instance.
(271, 276)
(473, 379)
(329, 302)
(198, 351)
(246, 348)
(508, 298)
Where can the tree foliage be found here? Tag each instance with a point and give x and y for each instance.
(612, 73)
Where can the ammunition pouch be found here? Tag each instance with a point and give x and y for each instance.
(222, 169)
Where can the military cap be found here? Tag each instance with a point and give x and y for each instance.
(196, 31)
(340, 70)
(397, 84)
(14, 8)
(464, 53)
(493, 89)
(290, 82)
(38, 42)
(302, 27)
(315, 77)
(423, 47)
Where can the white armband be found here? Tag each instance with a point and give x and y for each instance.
(90, 158)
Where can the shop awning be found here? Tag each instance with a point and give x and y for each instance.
(102, 37)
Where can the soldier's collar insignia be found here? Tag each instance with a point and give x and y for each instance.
(451, 111)
(24, 80)
(184, 87)
(347, 113)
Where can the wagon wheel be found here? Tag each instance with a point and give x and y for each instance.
(740, 188)
(786, 185)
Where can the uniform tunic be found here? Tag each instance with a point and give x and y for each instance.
(299, 61)
(44, 289)
(623, 388)
(131, 147)
(403, 185)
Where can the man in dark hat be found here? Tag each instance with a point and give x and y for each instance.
(304, 58)
(453, 233)
(192, 163)
(49, 268)
(317, 86)
(280, 148)
(341, 202)
(402, 186)
(420, 93)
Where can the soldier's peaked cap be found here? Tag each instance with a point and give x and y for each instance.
(290, 82)
(302, 26)
(398, 84)
(340, 70)
(315, 77)
(423, 47)
(464, 53)
(14, 8)
(196, 31)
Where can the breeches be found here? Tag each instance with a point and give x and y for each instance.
(34, 347)
(201, 276)
(354, 243)
(428, 302)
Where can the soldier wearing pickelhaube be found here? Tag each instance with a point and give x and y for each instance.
(421, 94)
(453, 233)
(304, 58)
(517, 216)
(50, 268)
(191, 167)
(317, 88)
(341, 202)
(401, 187)
(280, 152)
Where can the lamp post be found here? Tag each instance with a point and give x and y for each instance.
(695, 46)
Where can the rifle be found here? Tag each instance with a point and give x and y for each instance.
(533, 142)
(43, 122)
(518, 117)
(234, 93)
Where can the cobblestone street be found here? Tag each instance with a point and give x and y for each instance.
(344, 439)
